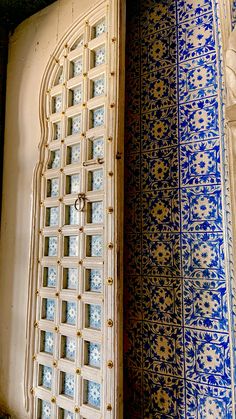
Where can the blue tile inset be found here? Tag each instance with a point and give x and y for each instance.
(189, 9)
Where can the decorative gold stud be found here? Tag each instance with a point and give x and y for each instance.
(109, 281)
(46, 145)
(35, 324)
(77, 409)
(56, 328)
(81, 229)
(79, 334)
(110, 364)
(60, 199)
(78, 371)
(58, 262)
(32, 390)
(109, 407)
(61, 170)
(110, 245)
(59, 230)
(81, 262)
(79, 297)
(62, 141)
(57, 294)
(84, 104)
(110, 173)
(109, 139)
(37, 292)
(85, 74)
(53, 399)
(110, 210)
(109, 323)
(113, 39)
(112, 105)
(54, 363)
(112, 73)
(34, 357)
(85, 45)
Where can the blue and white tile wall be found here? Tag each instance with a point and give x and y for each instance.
(178, 358)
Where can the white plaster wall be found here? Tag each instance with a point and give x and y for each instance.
(30, 48)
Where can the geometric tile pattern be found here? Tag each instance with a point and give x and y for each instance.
(176, 315)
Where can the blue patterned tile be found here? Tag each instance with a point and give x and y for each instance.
(205, 304)
(93, 394)
(159, 50)
(45, 410)
(233, 14)
(161, 254)
(94, 354)
(159, 89)
(70, 313)
(161, 211)
(95, 280)
(68, 348)
(203, 255)
(196, 37)
(163, 349)
(159, 129)
(189, 9)
(49, 308)
(207, 357)
(94, 316)
(68, 385)
(46, 377)
(163, 396)
(202, 208)
(200, 163)
(160, 169)
(208, 402)
(162, 300)
(199, 120)
(156, 16)
(47, 343)
(198, 78)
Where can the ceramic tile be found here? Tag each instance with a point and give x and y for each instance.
(74, 156)
(132, 140)
(65, 414)
(99, 56)
(133, 48)
(51, 243)
(53, 187)
(203, 255)
(207, 357)
(159, 50)
(72, 278)
(188, 9)
(57, 103)
(205, 304)
(48, 342)
(94, 354)
(75, 125)
(199, 120)
(202, 208)
(53, 216)
(160, 169)
(46, 410)
(95, 246)
(55, 159)
(100, 28)
(162, 300)
(73, 215)
(68, 385)
(196, 37)
(50, 277)
(198, 78)
(98, 117)
(156, 16)
(77, 67)
(93, 394)
(69, 348)
(163, 396)
(97, 148)
(161, 254)
(163, 351)
(73, 246)
(95, 280)
(57, 131)
(208, 402)
(70, 313)
(133, 297)
(133, 216)
(133, 332)
(94, 316)
(77, 95)
(159, 129)
(200, 163)
(47, 377)
(97, 212)
(99, 86)
(78, 43)
(96, 180)
(60, 77)
(233, 15)
(73, 183)
(50, 309)
(161, 211)
(159, 89)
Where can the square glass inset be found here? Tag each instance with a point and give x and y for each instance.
(93, 280)
(45, 377)
(98, 86)
(68, 384)
(57, 103)
(65, 414)
(95, 245)
(95, 212)
(68, 348)
(92, 394)
(76, 95)
(53, 187)
(71, 246)
(73, 154)
(73, 183)
(70, 278)
(99, 56)
(77, 67)
(47, 342)
(69, 312)
(55, 159)
(52, 216)
(50, 276)
(57, 131)
(48, 309)
(71, 215)
(96, 148)
(74, 125)
(93, 354)
(99, 28)
(51, 246)
(95, 180)
(97, 117)
(45, 410)
(94, 316)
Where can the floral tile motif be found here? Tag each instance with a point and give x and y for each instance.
(97, 148)
(163, 396)
(94, 354)
(233, 14)
(161, 211)
(93, 394)
(207, 357)
(159, 129)
(133, 344)
(94, 316)
(47, 377)
(200, 163)
(55, 159)
(68, 385)
(161, 254)
(57, 103)
(51, 246)
(99, 56)
(65, 414)
(199, 120)
(203, 255)
(50, 276)
(75, 125)
(133, 218)
(163, 349)
(72, 278)
(73, 215)
(133, 402)
(132, 254)
(73, 246)
(53, 216)
(159, 89)
(205, 304)
(70, 348)
(95, 246)
(98, 117)
(160, 169)
(156, 16)
(73, 183)
(71, 313)
(158, 50)
(133, 297)
(48, 342)
(162, 300)
(100, 28)
(96, 180)
(50, 309)
(198, 78)
(46, 410)
(77, 67)
(53, 187)
(97, 212)
(133, 55)
(196, 37)
(77, 95)
(99, 86)
(57, 131)
(208, 402)
(74, 154)
(189, 9)
(202, 208)
(95, 280)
